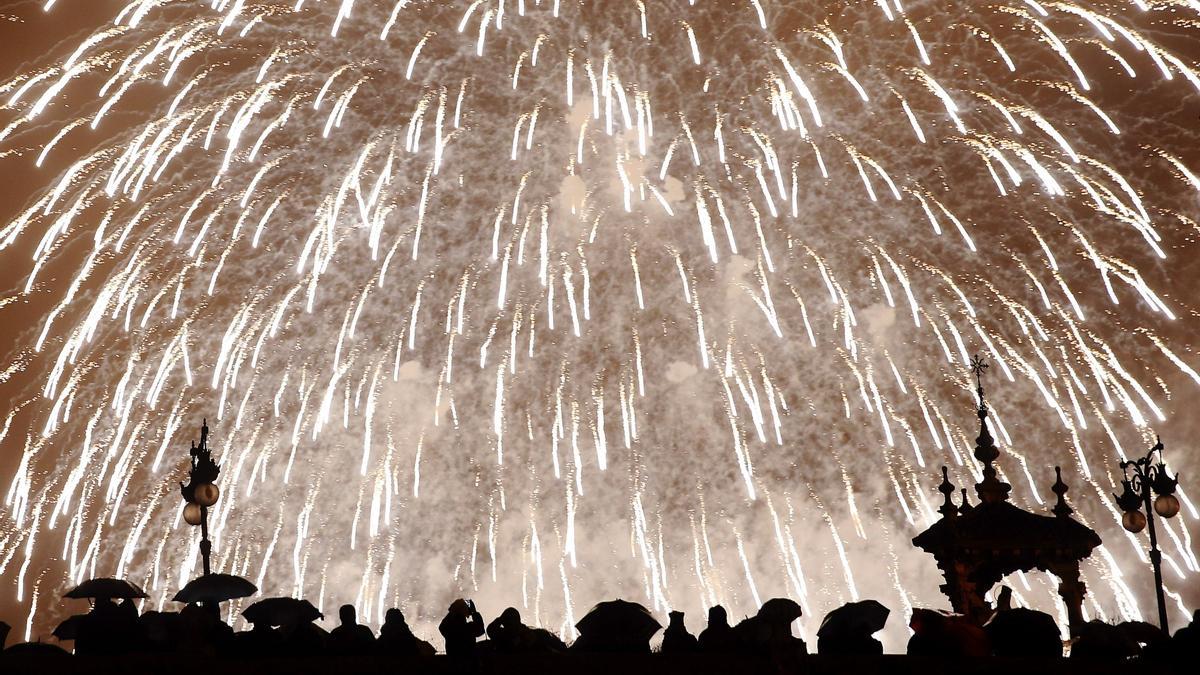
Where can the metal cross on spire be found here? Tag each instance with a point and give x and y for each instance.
(978, 366)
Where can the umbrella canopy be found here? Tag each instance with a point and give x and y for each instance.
(69, 628)
(281, 612)
(619, 617)
(106, 587)
(780, 609)
(854, 619)
(215, 588)
(39, 650)
(1100, 641)
(1142, 632)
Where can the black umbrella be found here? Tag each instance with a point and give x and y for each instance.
(854, 619)
(780, 609)
(106, 587)
(1100, 641)
(619, 617)
(215, 588)
(1142, 632)
(281, 612)
(39, 650)
(69, 628)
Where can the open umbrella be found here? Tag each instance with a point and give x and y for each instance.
(854, 619)
(619, 618)
(40, 650)
(281, 612)
(780, 609)
(215, 588)
(1142, 632)
(106, 587)
(69, 628)
(1100, 641)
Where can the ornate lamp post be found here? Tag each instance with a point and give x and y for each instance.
(1144, 477)
(200, 492)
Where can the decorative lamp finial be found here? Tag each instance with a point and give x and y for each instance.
(947, 489)
(965, 507)
(1061, 509)
(990, 490)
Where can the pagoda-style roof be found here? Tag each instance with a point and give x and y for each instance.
(977, 545)
(1003, 529)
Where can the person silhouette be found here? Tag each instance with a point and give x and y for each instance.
(861, 644)
(461, 627)
(351, 637)
(261, 641)
(769, 633)
(157, 631)
(396, 639)
(202, 632)
(718, 636)
(106, 629)
(1184, 646)
(506, 632)
(942, 635)
(676, 638)
(1004, 599)
(303, 638)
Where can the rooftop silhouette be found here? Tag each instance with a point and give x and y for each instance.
(978, 545)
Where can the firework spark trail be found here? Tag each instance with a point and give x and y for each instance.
(310, 209)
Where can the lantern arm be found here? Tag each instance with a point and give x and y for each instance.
(1129, 499)
(1164, 483)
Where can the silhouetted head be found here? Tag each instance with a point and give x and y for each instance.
(717, 616)
(510, 617)
(460, 608)
(1004, 598)
(676, 618)
(394, 616)
(348, 615)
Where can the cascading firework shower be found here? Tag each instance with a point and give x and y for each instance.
(544, 303)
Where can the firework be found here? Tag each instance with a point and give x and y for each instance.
(546, 302)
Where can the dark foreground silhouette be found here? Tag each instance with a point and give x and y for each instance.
(615, 636)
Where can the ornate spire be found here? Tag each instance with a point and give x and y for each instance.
(947, 509)
(991, 490)
(965, 507)
(1061, 509)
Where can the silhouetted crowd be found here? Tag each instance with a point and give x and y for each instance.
(287, 628)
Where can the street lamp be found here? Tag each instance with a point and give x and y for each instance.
(201, 492)
(1144, 477)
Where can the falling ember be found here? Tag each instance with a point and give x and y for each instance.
(454, 325)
